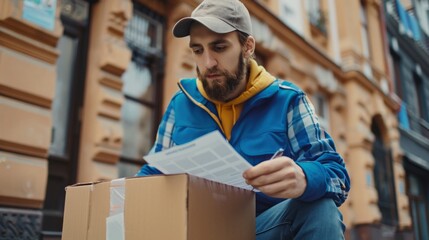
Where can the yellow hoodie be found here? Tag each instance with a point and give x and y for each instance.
(229, 112)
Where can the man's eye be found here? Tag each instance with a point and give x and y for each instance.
(197, 50)
(220, 48)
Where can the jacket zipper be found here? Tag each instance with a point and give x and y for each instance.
(212, 115)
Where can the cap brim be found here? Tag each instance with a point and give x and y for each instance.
(183, 26)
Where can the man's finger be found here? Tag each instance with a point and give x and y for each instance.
(267, 167)
(287, 172)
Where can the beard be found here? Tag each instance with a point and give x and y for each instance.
(221, 90)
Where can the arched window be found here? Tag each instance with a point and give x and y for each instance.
(383, 174)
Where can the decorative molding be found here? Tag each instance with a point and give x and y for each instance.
(110, 109)
(118, 16)
(20, 224)
(112, 81)
(25, 96)
(108, 141)
(23, 149)
(338, 102)
(115, 58)
(351, 60)
(110, 106)
(361, 79)
(27, 46)
(39, 34)
(117, 23)
(106, 154)
(11, 17)
(319, 36)
(20, 202)
(35, 85)
(115, 29)
(112, 67)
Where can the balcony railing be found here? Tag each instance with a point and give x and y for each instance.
(419, 125)
(408, 23)
(318, 20)
(408, 120)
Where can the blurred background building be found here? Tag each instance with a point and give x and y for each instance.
(84, 83)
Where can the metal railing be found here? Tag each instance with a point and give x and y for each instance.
(408, 23)
(418, 125)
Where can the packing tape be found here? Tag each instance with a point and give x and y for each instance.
(115, 229)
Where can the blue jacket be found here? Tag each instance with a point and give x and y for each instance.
(279, 116)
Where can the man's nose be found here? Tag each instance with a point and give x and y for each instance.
(209, 61)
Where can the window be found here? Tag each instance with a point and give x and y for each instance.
(142, 88)
(64, 150)
(420, 97)
(290, 13)
(397, 73)
(383, 177)
(68, 46)
(137, 111)
(366, 46)
(316, 15)
(364, 31)
(418, 193)
(321, 106)
(421, 9)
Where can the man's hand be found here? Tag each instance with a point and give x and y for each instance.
(279, 177)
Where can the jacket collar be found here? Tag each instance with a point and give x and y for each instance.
(189, 86)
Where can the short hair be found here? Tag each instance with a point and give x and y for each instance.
(242, 38)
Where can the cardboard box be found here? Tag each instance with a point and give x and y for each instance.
(170, 207)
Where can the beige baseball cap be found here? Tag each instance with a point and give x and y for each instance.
(220, 16)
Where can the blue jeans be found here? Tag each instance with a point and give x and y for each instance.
(293, 219)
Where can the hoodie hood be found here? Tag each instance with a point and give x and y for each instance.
(229, 112)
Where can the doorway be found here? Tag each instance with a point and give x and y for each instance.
(66, 107)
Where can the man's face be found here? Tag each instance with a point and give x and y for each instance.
(220, 63)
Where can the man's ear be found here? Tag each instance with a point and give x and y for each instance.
(249, 46)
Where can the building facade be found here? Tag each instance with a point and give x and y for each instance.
(83, 89)
(408, 30)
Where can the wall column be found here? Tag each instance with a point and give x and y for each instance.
(108, 57)
(178, 61)
(349, 34)
(360, 160)
(28, 58)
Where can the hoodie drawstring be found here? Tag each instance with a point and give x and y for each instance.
(234, 115)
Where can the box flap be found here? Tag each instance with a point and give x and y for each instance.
(76, 212)
(219, 211)
(161, 212)
(84, 183)
(100, 206)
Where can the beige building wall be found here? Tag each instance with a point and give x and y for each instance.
(27, 86)
(108, 57)
(335, 64)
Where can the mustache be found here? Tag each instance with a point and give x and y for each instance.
(213, 70)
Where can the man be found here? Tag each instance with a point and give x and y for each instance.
(258, 114)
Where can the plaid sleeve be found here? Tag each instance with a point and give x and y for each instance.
(314, 151)
(163, 137)
(163, 140)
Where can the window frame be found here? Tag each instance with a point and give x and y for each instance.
(153, 59)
